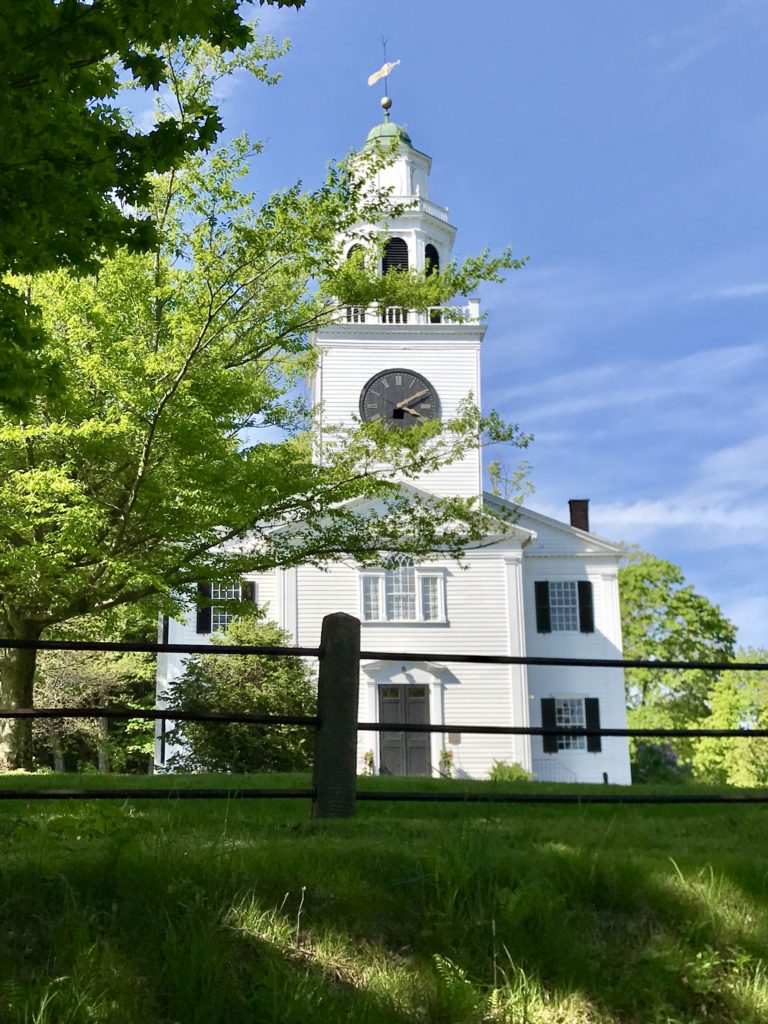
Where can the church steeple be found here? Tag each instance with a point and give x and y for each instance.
(423, 226)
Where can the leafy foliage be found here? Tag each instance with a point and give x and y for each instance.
(738, 700)
(80, 679)
(658, 763)
(251, 684)
(155, 464)
(508, 771)
(73, 168)
(663, 617)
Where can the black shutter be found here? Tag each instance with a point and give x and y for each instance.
(166, 629)
(543, 618)
(586, 608)
(248, 591)
(548, 721)
(204, 614)
(592, 716)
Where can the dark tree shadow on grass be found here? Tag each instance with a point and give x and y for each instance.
(137, 915)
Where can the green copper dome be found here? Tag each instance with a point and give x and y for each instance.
(386, 131)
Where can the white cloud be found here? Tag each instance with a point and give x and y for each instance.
(632, 383)
(751, 616)
(723, 524)
(747, 290)
(744, 465)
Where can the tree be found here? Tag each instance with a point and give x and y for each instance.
(96, 679)
(738, 700)
(148, 470)
(248, 684)
(511, 485)
(663, 617)
(72, 166)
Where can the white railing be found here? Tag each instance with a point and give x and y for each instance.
(421, 205)
(549, 769)
(469, 314)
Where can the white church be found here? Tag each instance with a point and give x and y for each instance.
(545, 588)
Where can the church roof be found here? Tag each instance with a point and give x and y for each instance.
(386, 131)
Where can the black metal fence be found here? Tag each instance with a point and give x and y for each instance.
(334, 789)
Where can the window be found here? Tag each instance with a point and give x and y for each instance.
(400, 589)
(570, 713)
(564, 606)
(221, 614)
(395, 255)
(402, 592)
(214, 611)
(431, 260)
(355, 314)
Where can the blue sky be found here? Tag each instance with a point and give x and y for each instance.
(623, 146)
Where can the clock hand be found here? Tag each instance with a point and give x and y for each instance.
(412, 412)
(412, 398)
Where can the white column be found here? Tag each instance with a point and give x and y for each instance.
(518, 674)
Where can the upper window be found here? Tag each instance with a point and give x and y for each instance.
(564, 606)
(395, 255)
(221, 614)
(218, 604)
(401, 592)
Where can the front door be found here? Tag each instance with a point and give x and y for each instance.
(404, 753)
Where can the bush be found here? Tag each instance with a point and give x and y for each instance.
(503, 771)
(658, 762)
(250, 684)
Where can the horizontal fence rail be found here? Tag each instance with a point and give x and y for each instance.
(315, 652)
(334, 791)
(312, 721)
(158, 794)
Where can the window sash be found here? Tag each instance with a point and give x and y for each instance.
(400, 593)
(571, 714)
(221, 615)
(394, 596)
(430, 598)
(371, 602)
(564, 606)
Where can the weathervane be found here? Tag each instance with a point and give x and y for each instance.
(383, 73)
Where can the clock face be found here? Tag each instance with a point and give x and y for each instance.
(401, 398)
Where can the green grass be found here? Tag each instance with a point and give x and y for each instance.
(199, 912)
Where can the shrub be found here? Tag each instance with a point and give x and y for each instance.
(504, 771)
(244, 683)
(658, 762)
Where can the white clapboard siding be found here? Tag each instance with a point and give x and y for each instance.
(607, 684)
(450, 363)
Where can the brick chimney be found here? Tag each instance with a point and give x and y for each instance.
(579, 513)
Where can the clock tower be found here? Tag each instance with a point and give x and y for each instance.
(396, 364)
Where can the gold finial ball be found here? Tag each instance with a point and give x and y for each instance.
(386, 102)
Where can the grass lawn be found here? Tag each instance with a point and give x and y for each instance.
(200, 912)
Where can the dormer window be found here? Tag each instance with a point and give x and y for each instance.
(395, 255)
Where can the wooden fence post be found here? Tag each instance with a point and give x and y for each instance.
(338, 686)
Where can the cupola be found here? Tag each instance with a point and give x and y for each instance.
(421, 237)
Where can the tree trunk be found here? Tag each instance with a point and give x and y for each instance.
(57, 748)
(17, 673)
(102, 749)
